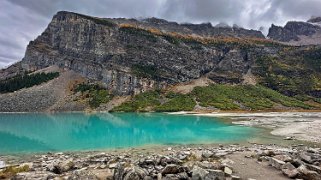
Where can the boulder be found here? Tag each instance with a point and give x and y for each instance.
(171, 169)
(164, 160)
(306, 158)
(34, 175)
(269, 153)
(228, 171)
(313, 168)
(113, 165)
(198, 173)
(61, 166)
(289, 170)
(307, 174)
(283, 157)
(208, 174)
(290, 173)
(82, 175)
(207, 154)
(276, 163)
(210, 165)
(215, 175)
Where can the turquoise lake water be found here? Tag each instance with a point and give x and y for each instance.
(37, 132)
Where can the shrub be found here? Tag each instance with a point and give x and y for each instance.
(145, 71)
(140, 102)
(96, 94)
(229, 97)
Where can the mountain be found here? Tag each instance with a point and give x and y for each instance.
(113, 50)
(298, 33)
(126, 57)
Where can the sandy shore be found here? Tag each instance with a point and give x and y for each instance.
(292, 125)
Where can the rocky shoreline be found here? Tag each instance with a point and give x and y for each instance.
(255, 161)
(304, 126)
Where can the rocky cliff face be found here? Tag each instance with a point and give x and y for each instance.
(130, 56)
(298, 33)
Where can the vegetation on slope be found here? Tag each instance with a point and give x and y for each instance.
(227, 97)
(175, 38)
(224, 97)
(140, 102)
(97, 20)
(145, 71)
(177, 102)
(25, 81)
(95, 94)
(292, 72)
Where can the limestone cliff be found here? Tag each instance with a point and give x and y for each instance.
(117, 52)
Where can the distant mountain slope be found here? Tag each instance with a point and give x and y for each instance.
(298, 33)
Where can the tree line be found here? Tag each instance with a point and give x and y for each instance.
(25, 81)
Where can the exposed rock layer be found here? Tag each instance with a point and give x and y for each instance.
(102, 50)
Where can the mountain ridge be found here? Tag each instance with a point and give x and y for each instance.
(129, 57)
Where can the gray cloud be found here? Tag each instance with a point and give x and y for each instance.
(22, 21)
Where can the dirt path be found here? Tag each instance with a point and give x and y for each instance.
(248, 168)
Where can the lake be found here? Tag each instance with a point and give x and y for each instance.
(41, 132)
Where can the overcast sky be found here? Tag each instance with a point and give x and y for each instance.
(23, 20)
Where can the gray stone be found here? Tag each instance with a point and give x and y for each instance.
(129, 173)
(289, 170)
(34, 175)
(306, 158)
(313, 168)
(113, 165)
(198, 173)
(307, 174)
(290, 173)
(208, 174)
(171, 169)
(82, 175)
(283, 157)
(228, 171)
(276, 163)
(207, 154)
(59, 167)
(214, 175)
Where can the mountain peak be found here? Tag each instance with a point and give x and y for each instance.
(315, 19)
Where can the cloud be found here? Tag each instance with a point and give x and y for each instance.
(22, 21)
